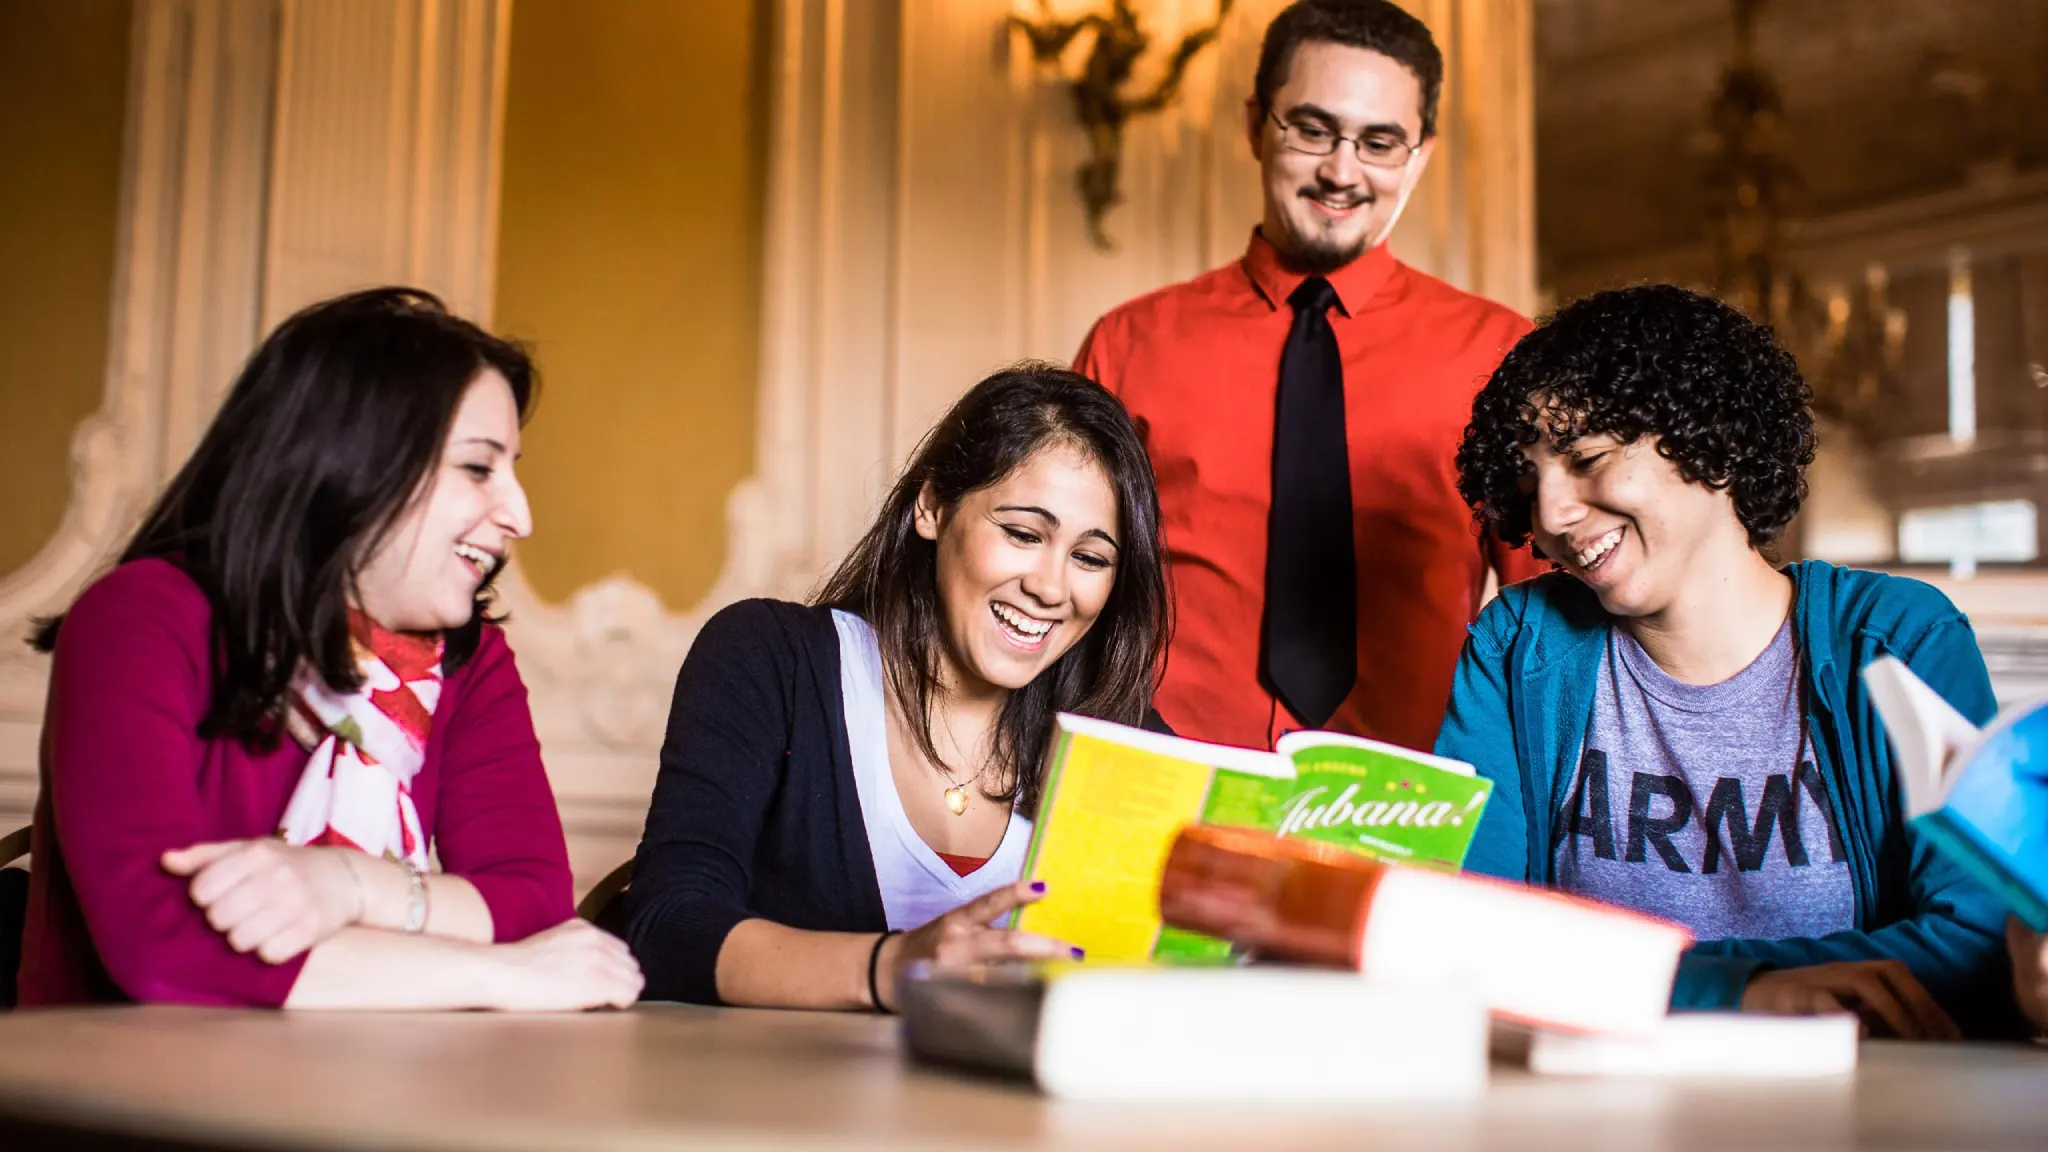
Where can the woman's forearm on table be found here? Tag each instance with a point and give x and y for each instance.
(368, 968)
(768, 965)
(455, 909)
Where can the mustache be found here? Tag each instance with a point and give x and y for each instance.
(1323, 190)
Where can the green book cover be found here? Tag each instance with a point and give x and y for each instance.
(1115, 797)
(1379, 799)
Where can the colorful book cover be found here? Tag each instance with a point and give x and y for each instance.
(1981, 795)
(1380, 799)
(1115, 797)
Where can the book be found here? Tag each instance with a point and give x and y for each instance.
(1114, 797)
(1197, 1035)
(1378, 798)
(1531, 956)
(1980, 795)
(1734, 1045)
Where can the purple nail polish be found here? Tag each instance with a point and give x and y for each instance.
(1038, 885)
(1079, 954)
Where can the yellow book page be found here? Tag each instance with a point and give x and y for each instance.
(1106, 836)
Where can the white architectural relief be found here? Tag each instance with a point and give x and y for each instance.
(183, 317)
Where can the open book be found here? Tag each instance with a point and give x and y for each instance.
(1115, 797)
(1981, 795)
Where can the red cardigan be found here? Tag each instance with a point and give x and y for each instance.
(126, 777)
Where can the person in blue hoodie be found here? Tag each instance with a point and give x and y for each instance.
(1675, 723)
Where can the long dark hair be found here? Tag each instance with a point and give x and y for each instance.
(327, 436)
(891, 577)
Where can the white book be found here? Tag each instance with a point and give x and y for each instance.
(1199, 1035)
(1717, 1044)
(1931, 741)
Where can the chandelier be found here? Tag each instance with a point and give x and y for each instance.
(1849, 340)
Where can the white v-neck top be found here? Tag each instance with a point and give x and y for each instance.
(917, 886)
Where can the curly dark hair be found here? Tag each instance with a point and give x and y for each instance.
(1709, 385)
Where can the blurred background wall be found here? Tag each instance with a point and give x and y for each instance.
(1881, 165)
(63, 82)
(629, 257)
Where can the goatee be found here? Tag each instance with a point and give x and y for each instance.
(1319, 257)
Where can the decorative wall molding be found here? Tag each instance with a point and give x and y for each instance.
(277, 151)
(385, 155)
(1472, 219)
(186, 276)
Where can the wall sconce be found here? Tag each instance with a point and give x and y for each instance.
(1099, 100)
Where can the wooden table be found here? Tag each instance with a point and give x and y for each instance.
(669, 1076)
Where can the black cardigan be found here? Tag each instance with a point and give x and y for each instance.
(755, 811)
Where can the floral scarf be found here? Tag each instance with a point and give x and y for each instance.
(367, 745)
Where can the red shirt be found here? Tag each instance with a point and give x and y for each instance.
(127, 777)
(1198, 365)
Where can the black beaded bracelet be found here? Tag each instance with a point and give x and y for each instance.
(874, 960)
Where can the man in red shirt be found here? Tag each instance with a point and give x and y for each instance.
(1303, 407)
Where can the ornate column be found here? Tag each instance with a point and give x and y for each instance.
(384, 162)
(277, 151)
(1472, 220)
(184, 302)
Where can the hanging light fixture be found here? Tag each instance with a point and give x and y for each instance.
(1849, 340)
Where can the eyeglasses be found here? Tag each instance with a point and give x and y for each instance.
(1377, 149)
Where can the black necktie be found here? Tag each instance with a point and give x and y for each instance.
(1309, 648)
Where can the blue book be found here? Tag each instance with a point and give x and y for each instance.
(1981, 795)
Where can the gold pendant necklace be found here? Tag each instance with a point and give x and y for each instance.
(956, 791)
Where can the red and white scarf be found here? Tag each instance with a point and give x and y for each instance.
(367, 745)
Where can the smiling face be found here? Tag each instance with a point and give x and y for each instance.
(425, 574)
(1621, 517)
(1024, 568)
(1325, 211)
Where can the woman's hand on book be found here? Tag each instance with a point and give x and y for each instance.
(269, 897)
(2029, 972)
(964, 936)
(1883, 993)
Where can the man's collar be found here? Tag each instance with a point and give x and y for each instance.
(1356, 283)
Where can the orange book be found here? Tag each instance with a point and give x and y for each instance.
(1531, 956)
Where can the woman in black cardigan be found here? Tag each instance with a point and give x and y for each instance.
(846, 786)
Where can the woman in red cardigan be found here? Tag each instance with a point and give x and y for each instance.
(286, 701)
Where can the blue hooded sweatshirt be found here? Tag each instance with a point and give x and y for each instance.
(1522, 700)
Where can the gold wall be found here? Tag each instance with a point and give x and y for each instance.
(629, 258)
(63, 95)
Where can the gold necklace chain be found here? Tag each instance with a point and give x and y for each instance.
(956, 791)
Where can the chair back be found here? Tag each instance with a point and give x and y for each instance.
(13, 911)
(605, 904)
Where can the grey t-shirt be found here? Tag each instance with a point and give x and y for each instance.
(1700, 803)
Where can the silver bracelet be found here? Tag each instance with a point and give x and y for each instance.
(416, 900)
